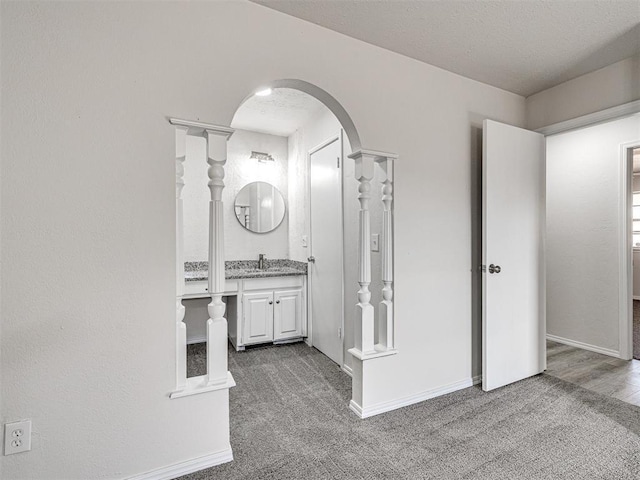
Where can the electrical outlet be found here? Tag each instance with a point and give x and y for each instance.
(17, 437)
(375, 242)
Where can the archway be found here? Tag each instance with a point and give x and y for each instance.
(369, 340)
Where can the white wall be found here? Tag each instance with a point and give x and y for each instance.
(88, 180)
(608, 87)
(240, 243)
(195, 199)
(317, 130)
(583, 188)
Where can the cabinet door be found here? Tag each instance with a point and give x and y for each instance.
(258, 317)
(287, 316)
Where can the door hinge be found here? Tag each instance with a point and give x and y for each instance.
(339, 332)
(483, 268)
(338, 160)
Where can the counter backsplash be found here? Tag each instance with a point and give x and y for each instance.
(247, 264)
(235, 269)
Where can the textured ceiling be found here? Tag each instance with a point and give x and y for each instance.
(520, 46)
(280, 113)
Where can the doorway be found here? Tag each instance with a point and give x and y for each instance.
(589, 236)
(311, 180)
(591, 224)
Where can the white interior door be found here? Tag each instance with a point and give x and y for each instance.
(326, 249)
(513, 226)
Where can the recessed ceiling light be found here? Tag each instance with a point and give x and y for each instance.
(264, 92)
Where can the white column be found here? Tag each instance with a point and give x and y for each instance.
(364, 371)
(181, 328)
(364, 326)
(385, 318)
(217, 323)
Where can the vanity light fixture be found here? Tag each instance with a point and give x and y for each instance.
(264, 92)
(262, 157)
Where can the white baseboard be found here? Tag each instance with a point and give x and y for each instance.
(348, 370)
(183, 468)
(383, 407)
(584, 346)
(636, 297)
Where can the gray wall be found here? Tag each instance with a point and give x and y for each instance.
(240, 244)
(608, 87)
(88, 216)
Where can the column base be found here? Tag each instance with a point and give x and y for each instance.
(363, 373)
(377, 353)
(196, 385)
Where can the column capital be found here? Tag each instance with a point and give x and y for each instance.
(220, 131)
(196, 128)
(375, 155)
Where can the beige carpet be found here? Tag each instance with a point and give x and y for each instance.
(289, 420)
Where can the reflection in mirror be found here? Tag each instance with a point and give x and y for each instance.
(259, 207)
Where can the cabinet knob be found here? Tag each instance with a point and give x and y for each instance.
(270, 302)
(277, 301)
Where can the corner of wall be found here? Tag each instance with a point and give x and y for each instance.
(611, 86)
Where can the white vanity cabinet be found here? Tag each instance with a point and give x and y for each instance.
(272, 309)
(258, 309)
(272, 316)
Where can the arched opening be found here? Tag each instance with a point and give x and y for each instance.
(298, 147)
(301, 146)
(321, 96)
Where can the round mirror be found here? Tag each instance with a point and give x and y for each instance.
(259, 207)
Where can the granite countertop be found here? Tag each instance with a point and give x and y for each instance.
(236, 269)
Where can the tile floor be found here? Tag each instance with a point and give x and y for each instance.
(600, 373)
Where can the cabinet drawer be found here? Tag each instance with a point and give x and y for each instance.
(196, 288)
(201, 288)
(272, 282)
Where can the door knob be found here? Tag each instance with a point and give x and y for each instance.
(494, 268)
(311, 259)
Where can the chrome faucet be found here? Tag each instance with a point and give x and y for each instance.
(262, 259)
